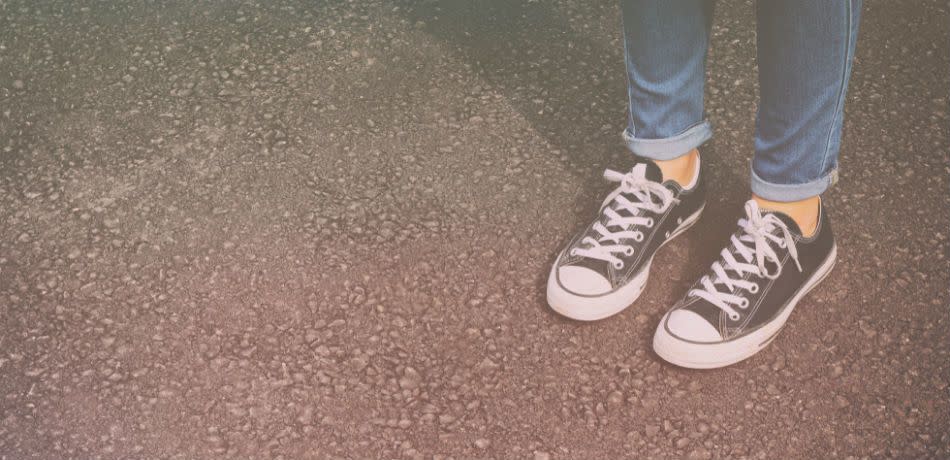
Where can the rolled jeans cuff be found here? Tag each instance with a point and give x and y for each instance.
(670, 147)
(792, 192)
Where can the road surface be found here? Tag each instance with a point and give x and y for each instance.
(299, 229)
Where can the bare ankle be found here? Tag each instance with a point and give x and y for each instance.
(680, 169)
(803, 212)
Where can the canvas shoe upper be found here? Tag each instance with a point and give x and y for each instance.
(740, 305)
(604, 267)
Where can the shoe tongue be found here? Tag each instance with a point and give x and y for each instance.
(652, 172)
(789, 222)
(639, 171)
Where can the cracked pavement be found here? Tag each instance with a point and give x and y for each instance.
(301, 229)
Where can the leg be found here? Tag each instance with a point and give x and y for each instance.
(775, 258)
(805, 49)
(604, 268)
(665, 44)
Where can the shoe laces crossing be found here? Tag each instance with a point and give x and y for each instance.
(610, 235)
(753, 246)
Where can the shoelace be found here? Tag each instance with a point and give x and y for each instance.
(632, 183)
(754, 248)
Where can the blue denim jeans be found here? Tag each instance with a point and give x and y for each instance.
(805, 49)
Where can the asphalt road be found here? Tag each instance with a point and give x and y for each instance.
(304, 229)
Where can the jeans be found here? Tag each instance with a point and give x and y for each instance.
(805, 49)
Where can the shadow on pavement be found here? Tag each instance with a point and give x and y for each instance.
(570, 89)
(552, 76)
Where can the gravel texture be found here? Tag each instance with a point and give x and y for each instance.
(298, 229)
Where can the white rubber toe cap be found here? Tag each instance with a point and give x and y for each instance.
(689, 325)
(582, 280)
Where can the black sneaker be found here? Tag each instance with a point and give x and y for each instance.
(604, 268)
(743, 302)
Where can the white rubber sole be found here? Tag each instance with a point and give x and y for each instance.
(710, 356)
(593, 308)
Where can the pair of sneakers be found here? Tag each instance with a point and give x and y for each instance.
(733, 311)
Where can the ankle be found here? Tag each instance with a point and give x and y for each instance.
(803, 212)
(681, 169)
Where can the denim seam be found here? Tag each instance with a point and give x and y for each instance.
(844, 81)
(626, 74)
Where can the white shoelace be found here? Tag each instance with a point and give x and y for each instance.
(754, 248)
(632, 183)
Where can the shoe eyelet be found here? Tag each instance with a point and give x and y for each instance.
(754, 289)
(734, 317)
(618, 265)
(628, 251)
(650, 222)
(574, 252)
(744, 303)
(638, 237)
(667, 234)
(781, 244)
